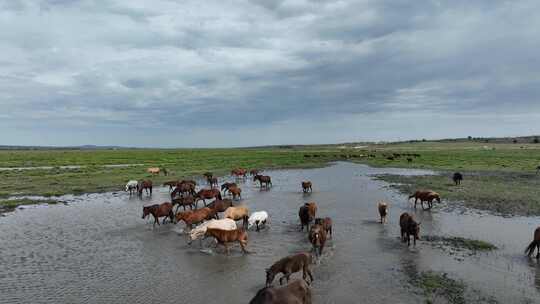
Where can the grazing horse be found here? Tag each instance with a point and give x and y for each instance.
(238, 213)
(426, 196)
(184, 201)
(226, 186)
(145, 185)
(409, 227)
(297, 292)
(205, 194)
(383, 211)
(195, 216)
(306, 186)
(199, 231)
(305, 218)
(289, 265)
(535, 243)
(153, 170)
(132, 186)
(253, 172)
(158, 211)
(236, 192)
(317, 238)
(326, 223)
(226, 236)
(212, 181)
(257, 218)
(239, 172)
(457, 178)
(171, 184)
(263, 180)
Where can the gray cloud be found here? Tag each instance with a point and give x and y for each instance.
(294, 70)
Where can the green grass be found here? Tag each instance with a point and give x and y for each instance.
(437, 285)
(459, 243)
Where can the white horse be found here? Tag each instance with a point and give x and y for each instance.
(132, 185)
(256, 218)
(199, 231)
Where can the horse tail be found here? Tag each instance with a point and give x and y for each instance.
(529, 250)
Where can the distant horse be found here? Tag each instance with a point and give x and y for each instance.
(153, 170)
(257, 218)
(132, 186)
(409, 159)
(212, 181)
(165, 171)
(171, 184)
(253, 172)
(184, 201)
(289, 265)
(535, 243)
(409, 227)
(457, 178)
(145, 185)
(297, 292)
(239, 172)
(263, 180)
(199, 231)
(236, 192)
(225, 187)
(317, 238)
(195, 216)
(383, 211)
(208, 174)
(205, 194)
(238, 213)
(326, 223)
(425, 196)
(306, 186)
(227, 236)
(157, 211)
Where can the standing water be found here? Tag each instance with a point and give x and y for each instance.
(97, 249)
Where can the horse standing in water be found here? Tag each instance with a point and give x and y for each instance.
(263, 180)
(457, 178)
(212, 181)
(236, 192)
(326, 223)
(145, 185)
(238, 213)
(205, 194)
(226, 186)
(535, 243)
(317, 237)
(306, 186)
(157, 211)
(131, 186)
(289, 265)
(383, 211)
(239, 172)
(253, 172)
(297, 292)
(227, 236)
(425, 196)
(171, 184)
(409, 227)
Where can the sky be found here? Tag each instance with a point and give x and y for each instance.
(221, 73)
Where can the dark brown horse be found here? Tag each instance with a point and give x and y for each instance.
(184, 201)
(195, 216)
(383, 211)
(263, 180)
(236, 192)
(306, 186)
(239, 172)
(457, 178)
(326, 223)
(535, 243)
(305, 218)
(317, 238)
(297, 292)
(312, 207)
(253, 172)
(145, 185)
(205, 194)
(409, 227)
(425, 196)
(225, 187)
(220, 205)
(289, 265)
(212, 181)
(159, 210)
(171, 184)
(184, 188)
(208, 174)
(227, 236)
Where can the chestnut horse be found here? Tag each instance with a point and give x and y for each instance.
(263, 180)
(226, 236)
(425, 196)
(183, 188)
(306, 186)
(225, 187)
(409, 227)
(205, 194)
(239, 172)
(236, 192)
(383, 211)
(317, 237)
(535, 243)
(312, 207)
(145, 185)
(184, 201)
(326, 223)
(158, 211)
(289, 265)
(297, 292)
(195, 216)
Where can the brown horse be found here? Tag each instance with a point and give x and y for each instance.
(383, 211)
(157, 211)
(289, 265)
(409, 227)
(312, 207)
(326, 223)
(239, 172)
(226, 236)
(145, 185)
(208, 174)
(305, 218)
(306, 186)
(236, 192)
(220, 205)
(195, 216)
(425, 196)
(153, 170)
(263, 180)
(171, 184)
(535, 243)
(205, 194)
(184, 188)
(212, 181)
(297, 292)
(238, 213)
(253, 172)
(184, 201)
(317, 237)
(225, 187)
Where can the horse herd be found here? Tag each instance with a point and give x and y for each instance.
(205, 222)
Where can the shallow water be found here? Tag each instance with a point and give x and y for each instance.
(97, 249)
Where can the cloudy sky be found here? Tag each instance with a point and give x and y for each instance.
(235, 73)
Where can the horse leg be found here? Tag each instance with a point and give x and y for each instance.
(243, 246)
(257, 223)
(226, 248)
(281, 279)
